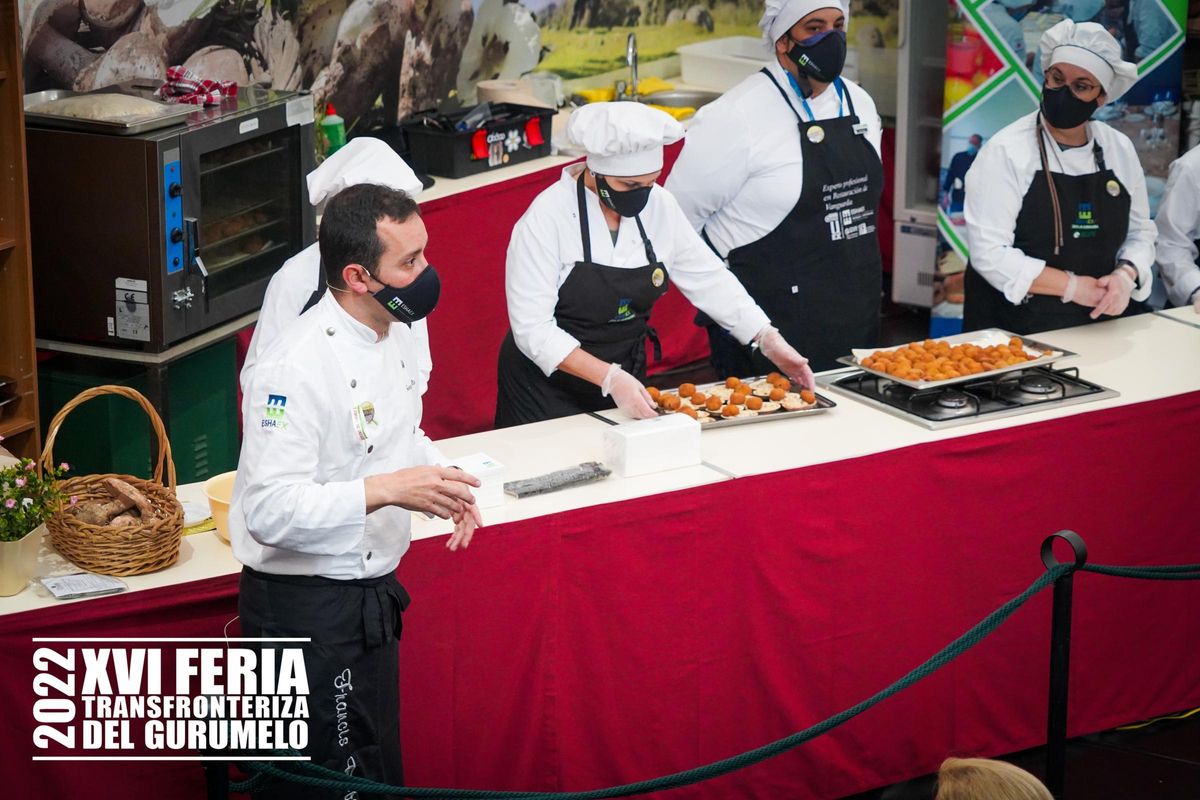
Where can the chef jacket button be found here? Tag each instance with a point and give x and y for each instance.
(368, 555)
(370, 448)
(353, 383)
(329, 331)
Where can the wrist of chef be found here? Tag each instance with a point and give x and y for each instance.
(1128, 271)
(1072, 284)
(606, 385)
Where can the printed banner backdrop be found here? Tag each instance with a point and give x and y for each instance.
(375, 60)
(993, 77)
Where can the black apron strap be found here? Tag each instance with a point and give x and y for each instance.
(584, 233)
(650, 257)
(844, 94)
(711, 246)
(319, 292)
(782, 94)
(652, 335)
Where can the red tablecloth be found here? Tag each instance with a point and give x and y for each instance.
(620, 642)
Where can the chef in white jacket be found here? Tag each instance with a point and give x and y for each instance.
(782, 175)
(333, 460)
(1178, 221)
(587, 262)
(299, 283)
(1058, 223)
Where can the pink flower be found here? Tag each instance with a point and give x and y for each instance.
(74, 499)
(20, 482)
(64, 466)
(10, 503)
(30, 466)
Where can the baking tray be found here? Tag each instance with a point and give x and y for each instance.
(170, 114)
(823, 404)
(1050, 354)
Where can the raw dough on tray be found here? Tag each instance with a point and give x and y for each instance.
(108, 107)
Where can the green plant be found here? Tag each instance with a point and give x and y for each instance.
(28, 497)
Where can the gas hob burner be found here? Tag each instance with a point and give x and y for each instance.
(952, 400)
(1037, 384)
(1030, 387)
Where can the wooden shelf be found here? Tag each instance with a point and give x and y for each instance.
(18, 421)
(16, 425)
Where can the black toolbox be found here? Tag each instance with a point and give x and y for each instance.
(511, 134)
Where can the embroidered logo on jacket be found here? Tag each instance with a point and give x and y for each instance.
(274, 413)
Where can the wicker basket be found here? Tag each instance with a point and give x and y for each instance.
(133, 550)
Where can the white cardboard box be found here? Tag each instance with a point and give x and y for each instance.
(491, 477)
(652, 445)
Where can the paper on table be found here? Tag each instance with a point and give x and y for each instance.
(82, 584)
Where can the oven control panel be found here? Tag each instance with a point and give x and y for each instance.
(173, 217)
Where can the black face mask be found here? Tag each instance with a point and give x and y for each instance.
(822, 56)
(414, 301)
(628, 203)
(1064, 110)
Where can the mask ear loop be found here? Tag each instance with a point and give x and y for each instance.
(1058, 230)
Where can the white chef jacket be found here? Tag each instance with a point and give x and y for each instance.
(288, 291)
(329, 404)
(1000, 177)
(1178, 224)
(742, 168)
(545, 245)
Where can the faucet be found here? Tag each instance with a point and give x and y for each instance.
(631, 58)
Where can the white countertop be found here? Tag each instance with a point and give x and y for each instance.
(1147, 357)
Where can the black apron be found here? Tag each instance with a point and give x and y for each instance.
(608, 310)
(818, 275)
(1093, 211)
(352, 664)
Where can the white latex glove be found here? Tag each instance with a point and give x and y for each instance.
(628, 392)
(784, 356)
(1084, 291)
(1117, 285)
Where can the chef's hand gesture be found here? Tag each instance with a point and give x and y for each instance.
(444, 491)
(466, 520)
(784, 356)
(628, 393)
(1117, 285)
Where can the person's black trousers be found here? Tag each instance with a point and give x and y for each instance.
(353, 666)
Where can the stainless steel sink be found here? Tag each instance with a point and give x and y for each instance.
(680, 98)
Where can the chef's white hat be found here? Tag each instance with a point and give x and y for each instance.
(623, 139)
(1089, 46)
(361, 160)
(780, 15)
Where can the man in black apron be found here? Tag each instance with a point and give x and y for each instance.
(332, 462)
(551, 364)
(1081, 227)
(818, 272)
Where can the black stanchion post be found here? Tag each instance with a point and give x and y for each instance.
(216, 778)
(1060, 661)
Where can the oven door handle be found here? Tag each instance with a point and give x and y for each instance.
(194, 262)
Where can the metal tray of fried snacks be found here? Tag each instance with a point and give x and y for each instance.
(976, 347)
(785, 403)
(165, 115)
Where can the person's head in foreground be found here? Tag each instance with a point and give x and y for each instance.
(985, 779)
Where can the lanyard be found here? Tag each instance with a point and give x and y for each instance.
(837, 84)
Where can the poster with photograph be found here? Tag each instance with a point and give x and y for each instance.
(993, 77)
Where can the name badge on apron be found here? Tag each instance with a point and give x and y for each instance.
(816, 134)
(860, 128)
